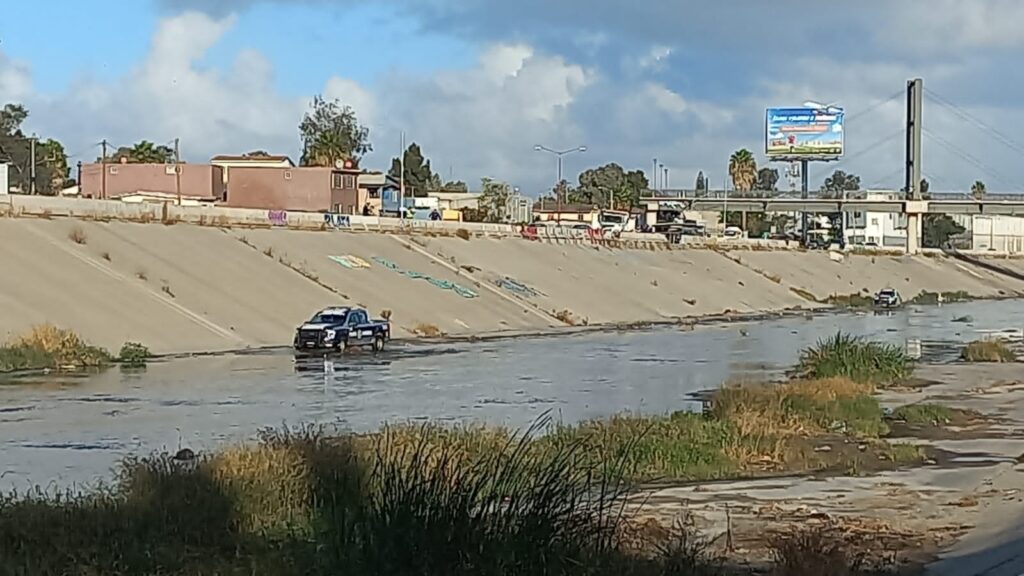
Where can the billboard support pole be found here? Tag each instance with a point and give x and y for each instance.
(804, 190)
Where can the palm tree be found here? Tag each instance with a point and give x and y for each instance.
(743, 170)
(145, 152)
(978, 190)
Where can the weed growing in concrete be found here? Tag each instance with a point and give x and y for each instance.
(564, 316)
(49, 347)
(463, 233)
(926, 298)
(106, 256)
(427, 331)
(141, 275)
(851, 357)
(991, 350)
(166, 289)
(133, 355)
(268, 251)
(851, 301)
(803, 294)
(77, 235)
(924, 414)
(386, 314)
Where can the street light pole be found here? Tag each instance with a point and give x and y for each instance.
(558, 185)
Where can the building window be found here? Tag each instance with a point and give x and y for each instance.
(336, 180)
(374, 192)
(350, 182)
(874, 221)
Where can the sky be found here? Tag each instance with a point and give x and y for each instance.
(478, 83)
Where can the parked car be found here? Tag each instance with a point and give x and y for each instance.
(341, 328)
(888, 298)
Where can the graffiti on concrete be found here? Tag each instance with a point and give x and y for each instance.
(517, 287)
(277, 217)
(349, 261)
(442, 284)
(337, 220)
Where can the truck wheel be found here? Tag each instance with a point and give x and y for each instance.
(378, 343)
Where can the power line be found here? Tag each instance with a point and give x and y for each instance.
(968, 117)
(968, 157)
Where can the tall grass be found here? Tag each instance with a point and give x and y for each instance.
(993, 350)
(843, 355)
(49, 347)
(420, 501)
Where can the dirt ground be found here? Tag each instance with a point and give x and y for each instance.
(962, 513)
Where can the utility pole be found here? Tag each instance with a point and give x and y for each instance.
(804, 191)
(401, 179)
(32, 167)
(103, 170)
(915, 106)
(666, 178)
(654, 173)
(177, 169)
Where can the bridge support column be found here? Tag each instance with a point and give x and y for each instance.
(915, 212)
(913, 233)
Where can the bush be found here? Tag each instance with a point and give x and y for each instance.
(133, 355)
(988, 351)
(49, 347)
(924, 414)
(77, 235)
(463, 233)
(852, 357)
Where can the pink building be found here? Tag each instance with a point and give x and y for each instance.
(198, 181)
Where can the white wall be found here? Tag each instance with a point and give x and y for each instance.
(998, 233)
(5, 182)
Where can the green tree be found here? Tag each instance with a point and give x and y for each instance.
(455, 186)
(419, 177)
(702, 184)
(494, 199)
(837, 183)
(609, 184)
(330, 133)
(51, 162)
(937, 229)
(978, 190)
(143, 152)
(767, 180)
(743, 170)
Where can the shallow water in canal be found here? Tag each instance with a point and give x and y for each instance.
(59, 431)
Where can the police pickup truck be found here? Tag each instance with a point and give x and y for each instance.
(342, 328)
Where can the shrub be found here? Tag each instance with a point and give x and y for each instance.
(924, 414)
(47, 346)
(77, 235)
(133, 355)
(463, 233)
(988, 351)
(427, 331)
(843, 355)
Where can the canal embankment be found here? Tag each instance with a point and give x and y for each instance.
(181, 288)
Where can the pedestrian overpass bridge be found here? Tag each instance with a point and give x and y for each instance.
(914, 209)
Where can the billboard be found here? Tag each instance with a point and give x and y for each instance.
(804, 133)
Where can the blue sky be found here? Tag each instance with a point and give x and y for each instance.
(477, 82)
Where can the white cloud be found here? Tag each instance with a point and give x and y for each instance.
(655, 58)
(15, 80)
(484, 120)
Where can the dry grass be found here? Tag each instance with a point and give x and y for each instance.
(816, 552)
(141, 275)
(992, 350)
(386, 314)
(77, 235)
(47, 346)
(424, 330)
(166, 289)
(565, 317)
(803, 294)
(463, 233)
(106, 256)
(268, 251)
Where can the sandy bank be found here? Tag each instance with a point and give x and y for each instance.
(187, 288)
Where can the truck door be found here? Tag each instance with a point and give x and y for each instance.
(359, 329)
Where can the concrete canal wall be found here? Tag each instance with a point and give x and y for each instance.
(192, 288)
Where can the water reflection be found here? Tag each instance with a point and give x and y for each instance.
(69, 429)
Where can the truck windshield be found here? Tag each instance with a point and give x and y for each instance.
(328, 319)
